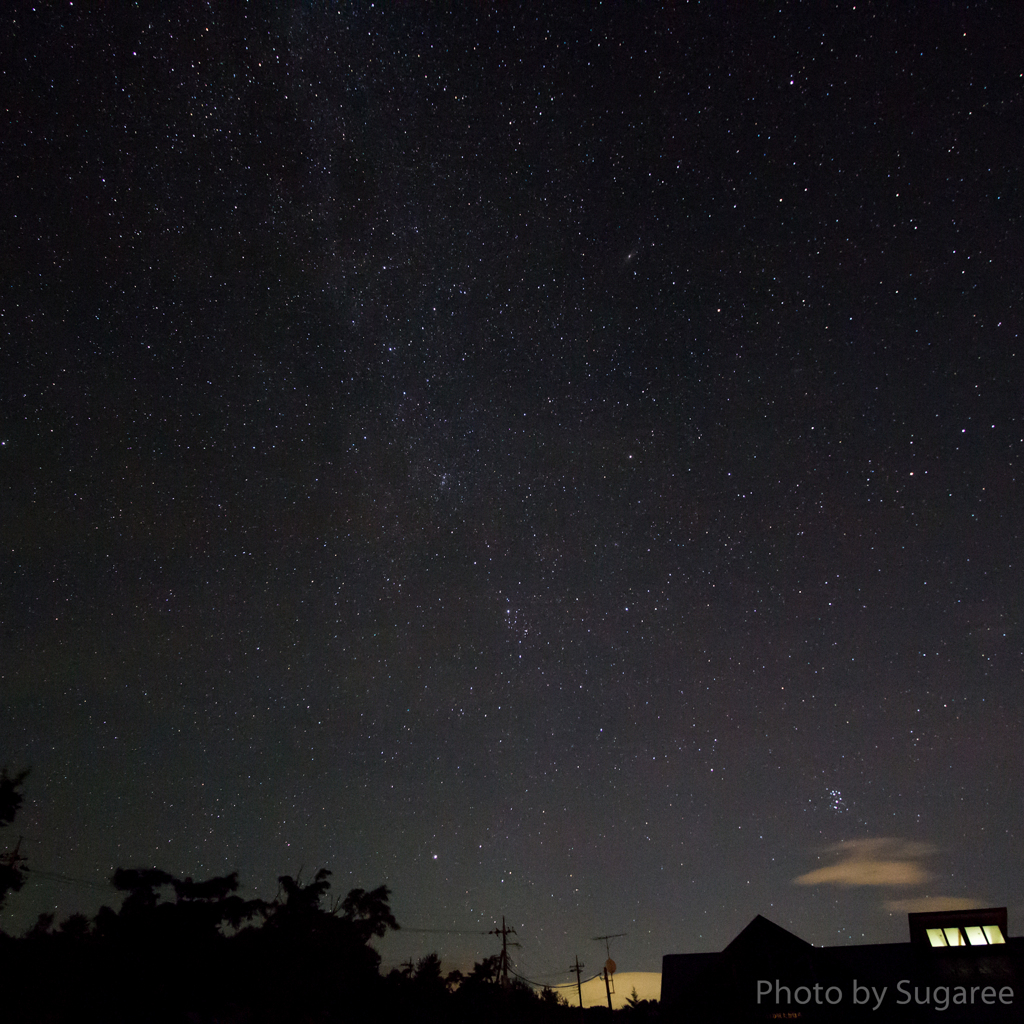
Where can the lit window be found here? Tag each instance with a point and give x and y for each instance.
(953, 937)
(994, 935)
(935, 937)
(975, 936)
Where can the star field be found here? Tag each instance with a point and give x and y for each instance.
(561, 464)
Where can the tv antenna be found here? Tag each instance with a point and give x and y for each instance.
(606, 939)
(609, 964)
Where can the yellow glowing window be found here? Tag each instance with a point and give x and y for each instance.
(993, 934)
(953, 937)
(935, 937)
(975, 936)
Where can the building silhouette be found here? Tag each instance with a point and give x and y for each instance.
(957, 966)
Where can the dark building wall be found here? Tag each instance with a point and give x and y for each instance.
(877, 983)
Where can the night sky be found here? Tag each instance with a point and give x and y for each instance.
(560, 461)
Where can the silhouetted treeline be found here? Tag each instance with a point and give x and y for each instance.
(178, 950)
(204, 953)
(185, 951)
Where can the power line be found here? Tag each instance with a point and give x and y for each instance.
(522, 977)
(551, 974)
(54, 876)
(503, 962)
(443, 931)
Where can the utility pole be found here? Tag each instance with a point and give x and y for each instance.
(607, 986)
(609, 965)
(578, 970)
(503, 959)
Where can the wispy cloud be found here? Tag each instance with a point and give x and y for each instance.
(872, 862)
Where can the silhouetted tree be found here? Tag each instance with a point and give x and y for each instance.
(428, 973)
(12, 864)
(169, 941)
(199, 909)
(486, 972)
(316, 951)
(180, 949)
(141, 884)
(211, 891)
(429, 990)
(369, 912)
(11, 796)
(42, 928)
(76, 928)
(640, 1010)
(549, 997)
(478, 995)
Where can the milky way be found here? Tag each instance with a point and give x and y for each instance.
(557, 464)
